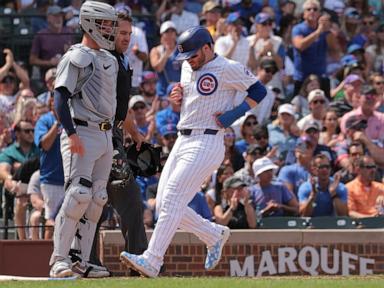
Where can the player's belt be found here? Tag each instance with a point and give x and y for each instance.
(103, 126)
(188, 132)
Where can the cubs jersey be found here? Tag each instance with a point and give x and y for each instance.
(211, 89)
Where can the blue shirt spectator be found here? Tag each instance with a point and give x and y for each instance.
(200, 206)
(294, 174)
(51, 165)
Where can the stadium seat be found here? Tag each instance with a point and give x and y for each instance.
(332, 222)
(370, 222)
(282, 223)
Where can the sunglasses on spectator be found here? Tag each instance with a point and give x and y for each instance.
(379, 83)
(368, 166)
(314, 9)
(356, 154)
(368, 23)
(229, 135)
(137, 107)
(318, 101)
(311, 131)
(28, 130)
(267, 23)
(324, 166)
(251, 123)
(270, 70)
(259, 137)
(170, 136)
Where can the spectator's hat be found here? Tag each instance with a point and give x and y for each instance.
(348, 60)
(268, 62)
(262, 18)
(351, 78)
(233, 18)
(149, 76)
(368, 89)
(356, 122)
(286, 108)
(211, 6)
(123, 8)
(277, 91)
(54, 10)
(316, 94)
(168, 129)
(303, 143)
(136, 99)
(233, 182)
(334, 5)
(253, 149)
(263, 164)
(351, 12)
(165, 26)
(354, 48)
(312, 124)
(50, 74)
(169, 88)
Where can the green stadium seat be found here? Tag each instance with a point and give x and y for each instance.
(370, 222)
(282, 223)
(332, 222)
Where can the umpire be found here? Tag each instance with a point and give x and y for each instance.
(125, 198)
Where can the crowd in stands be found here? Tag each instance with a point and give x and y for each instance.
(313, 147)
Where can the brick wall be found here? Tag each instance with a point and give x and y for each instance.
(186, 254)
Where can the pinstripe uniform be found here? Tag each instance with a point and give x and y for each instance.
(208, 90)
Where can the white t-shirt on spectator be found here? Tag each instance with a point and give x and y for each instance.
(184, 21)
(137, 38)
(241, 53)
(7, 103)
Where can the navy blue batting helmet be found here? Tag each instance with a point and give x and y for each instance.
(191, 40)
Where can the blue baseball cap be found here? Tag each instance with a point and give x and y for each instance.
(168, 129)
(233, 17)
(262, 18)
(169, 89)
(354, 48)
(348, 60)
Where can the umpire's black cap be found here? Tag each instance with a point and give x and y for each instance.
(191, 40)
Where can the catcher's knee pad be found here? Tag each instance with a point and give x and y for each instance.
(77, 198)
(99, 199)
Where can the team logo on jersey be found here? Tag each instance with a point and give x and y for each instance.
(207, 84)
(247, 72)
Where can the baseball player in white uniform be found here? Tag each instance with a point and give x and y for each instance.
(85, 101)
(206, 94)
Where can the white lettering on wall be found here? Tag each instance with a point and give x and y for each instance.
(287, 256)
(248, 267)
(324, 261)
(266, 264)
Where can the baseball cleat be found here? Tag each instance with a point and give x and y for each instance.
(138, 263)
(214, 252)
(88, 270)
(61, 269)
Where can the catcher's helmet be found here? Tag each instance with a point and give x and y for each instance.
(191, 40)
(92, 14)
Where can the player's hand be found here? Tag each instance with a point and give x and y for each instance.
(176, 95)
(76, 145)
(216, 117)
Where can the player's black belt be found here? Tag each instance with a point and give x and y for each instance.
(103, 126)
(188, 132)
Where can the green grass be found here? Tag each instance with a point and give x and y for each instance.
(222, 282)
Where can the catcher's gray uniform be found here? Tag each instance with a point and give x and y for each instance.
(90, 76)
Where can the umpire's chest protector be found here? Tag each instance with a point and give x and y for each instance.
(98, 84)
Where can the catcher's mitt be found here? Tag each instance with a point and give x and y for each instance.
(145, 162)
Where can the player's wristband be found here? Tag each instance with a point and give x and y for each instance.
(227, 118)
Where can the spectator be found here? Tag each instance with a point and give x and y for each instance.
(253, 153)
(317, 105)
(364, 194)
(377, 81)
(71, 14)
(350, 25)
(272, 197)
(39, 22)
(311, 40)
(168, 135)
(246, 131)
(10, 160)
(322, 195)
(5, 131)
(375, 119)
(47, 138)
(174, 11)
(265, 43)
(376, 50)
(49, 78)
(162, 58)
(232, 155)
(169, 115)
(37, 202)
(300, 101)
(234, 45)
(213, 195)
(295, 174)
(213, 20)
(330, 134)
(148, 86)
(283, 133)
(50, 43)
(25, 108)
(247, 9)
(236, 210)
(355, 152)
